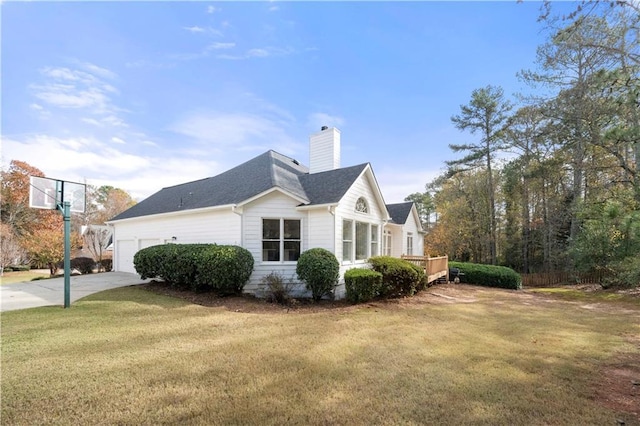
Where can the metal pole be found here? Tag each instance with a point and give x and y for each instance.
(67, 253)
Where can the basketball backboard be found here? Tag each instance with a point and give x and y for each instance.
(46, 193)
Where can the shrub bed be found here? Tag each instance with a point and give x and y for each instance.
(399, 277)
(224, 269)
(107, 264)
(362, 285)
(83, 264)
(17, 268)
(221, 268)
(488, 275)
(319, 269)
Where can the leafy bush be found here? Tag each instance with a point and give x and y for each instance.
(362, 285)
(319, 269)
(182, 263)
(488, 275)
(423, 280)
(224, 269)
(83, 264)
(17, 268)
(277, 289)
(107, 264)
(399, 277)
(148, 262)
(625, 273)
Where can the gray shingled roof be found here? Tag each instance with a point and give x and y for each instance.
(399, 212)
(247, 180)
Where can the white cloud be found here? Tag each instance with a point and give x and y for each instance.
(318, 119)
(96, 163)
(212, 9)
(219, 45)
(194, 29)
(36, 107)
(257, 53)
(75, 89)
(262, 52)
(102, 72)
(118, 140)
(228, 132)
(396, 185)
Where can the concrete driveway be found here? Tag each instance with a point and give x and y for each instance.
(50, 292)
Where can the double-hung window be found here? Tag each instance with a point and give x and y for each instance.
(386, 242)
(281, 240)
(410, 243)
(347, 240)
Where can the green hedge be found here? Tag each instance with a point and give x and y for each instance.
(17, 268)
(362, 285)
(221, 268)
(225, 269)
(319, 269)
(488, 275)
(399, 277)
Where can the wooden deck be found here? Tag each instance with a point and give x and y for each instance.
(434, 267)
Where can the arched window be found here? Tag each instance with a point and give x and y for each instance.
(361, 205)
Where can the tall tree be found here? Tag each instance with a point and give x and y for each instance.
(486, 114)
(424, 205)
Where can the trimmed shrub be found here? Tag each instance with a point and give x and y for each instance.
(488, 275)
(399, 277)
(221, 268)
(319, 269)
(182, 262)
(83, 264)
(224, 269)
(149, 261)
(107, 264)
(423, 280)
(362, 285)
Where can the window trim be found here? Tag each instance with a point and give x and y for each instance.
(350, 257)
(281, 240)
(409, 244)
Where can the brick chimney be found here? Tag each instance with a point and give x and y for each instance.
(324, 150)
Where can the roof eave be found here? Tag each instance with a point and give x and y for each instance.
(174, 213)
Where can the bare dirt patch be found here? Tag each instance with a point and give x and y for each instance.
(618, 383)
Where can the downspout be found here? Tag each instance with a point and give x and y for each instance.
(238, 211)
(332, 212)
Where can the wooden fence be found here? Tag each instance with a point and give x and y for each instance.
(551, 279)
(434, 267)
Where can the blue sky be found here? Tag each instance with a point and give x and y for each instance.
(143, 95)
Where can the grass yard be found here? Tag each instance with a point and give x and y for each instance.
(452, 355)
(20, 276)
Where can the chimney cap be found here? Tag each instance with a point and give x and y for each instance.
(323, 128)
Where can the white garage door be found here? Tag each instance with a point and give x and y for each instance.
(125, 249)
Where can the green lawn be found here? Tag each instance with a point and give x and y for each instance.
(20, 276)
(494, 357)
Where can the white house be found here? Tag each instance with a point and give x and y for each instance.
(276, 208)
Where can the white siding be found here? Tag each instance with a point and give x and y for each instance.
(397, 240)
(363, 187)
(274, 205)
(222, 227)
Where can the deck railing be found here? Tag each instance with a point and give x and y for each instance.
(434, 267)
